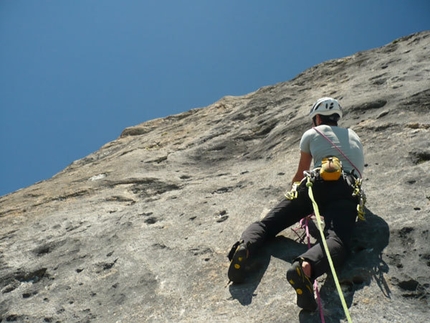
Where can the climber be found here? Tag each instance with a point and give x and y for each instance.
(335, 198)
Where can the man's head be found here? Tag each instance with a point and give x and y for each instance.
(327, 111)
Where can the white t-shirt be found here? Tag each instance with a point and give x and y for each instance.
(345, 139)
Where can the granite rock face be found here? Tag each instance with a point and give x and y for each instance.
(139, 230)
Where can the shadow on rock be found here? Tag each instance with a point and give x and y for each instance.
(279, 247)
(256, 268)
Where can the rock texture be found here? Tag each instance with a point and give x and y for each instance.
(139, 230)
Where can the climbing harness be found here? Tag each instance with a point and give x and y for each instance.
(352, 181)
(309, 185)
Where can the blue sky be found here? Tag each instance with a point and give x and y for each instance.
(74, 74)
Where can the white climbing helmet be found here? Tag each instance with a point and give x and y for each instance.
(326, 107)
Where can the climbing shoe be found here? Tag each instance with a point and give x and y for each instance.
(303, 287)
(238, 256)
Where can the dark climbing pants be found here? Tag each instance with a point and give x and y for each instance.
(336, 205)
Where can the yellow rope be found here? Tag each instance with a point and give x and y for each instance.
(330, 261)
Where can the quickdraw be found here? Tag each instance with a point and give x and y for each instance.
(292, 194)
(359, 193)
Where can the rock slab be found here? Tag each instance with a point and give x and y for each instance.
(139, 230)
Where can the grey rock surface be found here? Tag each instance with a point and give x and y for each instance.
(139, 230)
